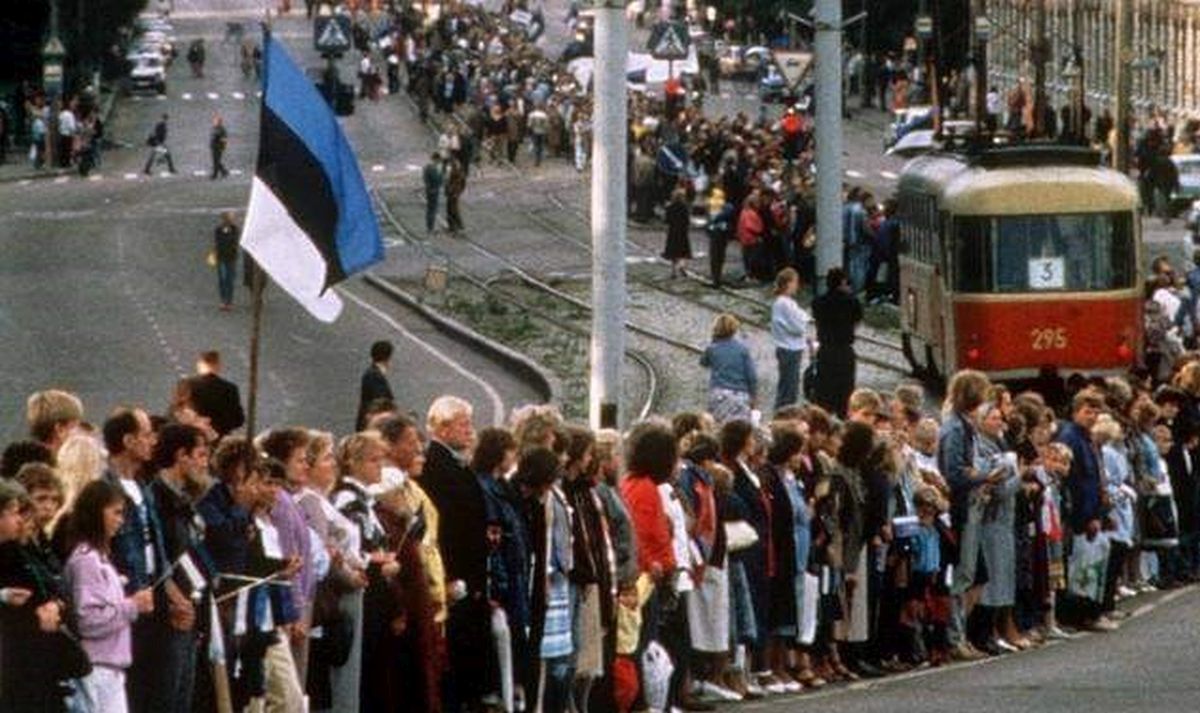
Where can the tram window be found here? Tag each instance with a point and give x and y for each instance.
(1038, 253)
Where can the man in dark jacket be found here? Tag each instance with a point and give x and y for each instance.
(837, 313)
(214, 397)
(1084, 488)
(180, 456)
(158, 147)
(374, 386)
(456, 493)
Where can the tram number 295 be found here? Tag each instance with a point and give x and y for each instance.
(1048, 338)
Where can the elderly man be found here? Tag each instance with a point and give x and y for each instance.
(453, 488)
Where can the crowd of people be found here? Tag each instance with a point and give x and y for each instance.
(174, 563)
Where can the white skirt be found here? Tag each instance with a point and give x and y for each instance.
(708, 612)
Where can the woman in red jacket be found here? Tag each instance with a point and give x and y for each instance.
(651, 455)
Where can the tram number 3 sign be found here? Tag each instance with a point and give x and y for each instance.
(1048, 338)
(1047, 273)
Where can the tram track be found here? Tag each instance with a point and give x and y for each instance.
(882, 353)
(652, 386)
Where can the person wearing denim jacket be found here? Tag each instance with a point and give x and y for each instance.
(732, 381)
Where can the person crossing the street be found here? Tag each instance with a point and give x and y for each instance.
(157, 141)
(217, 142)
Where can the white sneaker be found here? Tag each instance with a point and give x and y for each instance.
(708, 688)
(1055, 632)
(793, 687)
(754, 689)
(1125, 592)
(1004, 645)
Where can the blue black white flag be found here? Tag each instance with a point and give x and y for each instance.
(310, 223)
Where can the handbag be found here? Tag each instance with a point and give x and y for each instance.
(809, 380)
(337, 628)
(739, 536)
(211, 258)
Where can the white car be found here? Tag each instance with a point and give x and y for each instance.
(149, 73)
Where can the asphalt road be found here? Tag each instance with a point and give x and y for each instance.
(104, 288)
(1148, 665)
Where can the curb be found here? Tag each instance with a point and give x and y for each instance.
(106, 112)
(545, 383)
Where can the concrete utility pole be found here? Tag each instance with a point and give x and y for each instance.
(829, 135)
(609, 138)
(1123, 57)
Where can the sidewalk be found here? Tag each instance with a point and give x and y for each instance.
(18, 168)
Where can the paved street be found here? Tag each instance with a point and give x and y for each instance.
(1149, 665)
(105, 290)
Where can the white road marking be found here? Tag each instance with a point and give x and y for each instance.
(164, 174)
(186, 96)
(239, 96)
(258, 94)
(235, 172)
(161, 97)
(890, 175)
(378, 168)
(493, 395)
(131, 177)
(95, 177)
(214, 96)
(199, 173)
(24, 181)
(62, 179)
(854, 174)
(412, 167)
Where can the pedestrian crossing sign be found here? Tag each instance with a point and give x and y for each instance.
(331, 35)
(669, 41)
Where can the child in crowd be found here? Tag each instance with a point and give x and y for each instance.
(928, 610)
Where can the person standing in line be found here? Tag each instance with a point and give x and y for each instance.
(434, 178)
(837, 313)
(225, 247)
(374, 385)
(217, 142)
(789, 331)
(456, 183)
(157, 142)
(104, 614)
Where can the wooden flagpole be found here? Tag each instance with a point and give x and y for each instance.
(257, 284)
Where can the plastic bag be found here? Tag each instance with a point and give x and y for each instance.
(656, 675)
(1086, 570)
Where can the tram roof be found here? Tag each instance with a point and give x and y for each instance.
(1022, 180)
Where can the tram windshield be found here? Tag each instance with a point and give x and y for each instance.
(1073, 252)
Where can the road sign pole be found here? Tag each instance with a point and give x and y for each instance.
(829, 135)
(608, 213)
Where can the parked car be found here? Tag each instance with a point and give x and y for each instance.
(149, 73)
(906, 120)
(1188, 166)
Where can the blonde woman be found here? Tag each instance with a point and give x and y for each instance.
(80, 461)
(733, 381)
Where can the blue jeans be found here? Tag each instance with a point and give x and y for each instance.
(556, 688)
(226, 271)
(788, 390)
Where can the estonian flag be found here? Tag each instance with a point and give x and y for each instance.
(310, 222)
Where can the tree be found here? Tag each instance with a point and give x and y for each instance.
(87, 28)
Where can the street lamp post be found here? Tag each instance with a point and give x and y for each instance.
(609, 139)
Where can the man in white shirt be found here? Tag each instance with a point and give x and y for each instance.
(68, 127)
